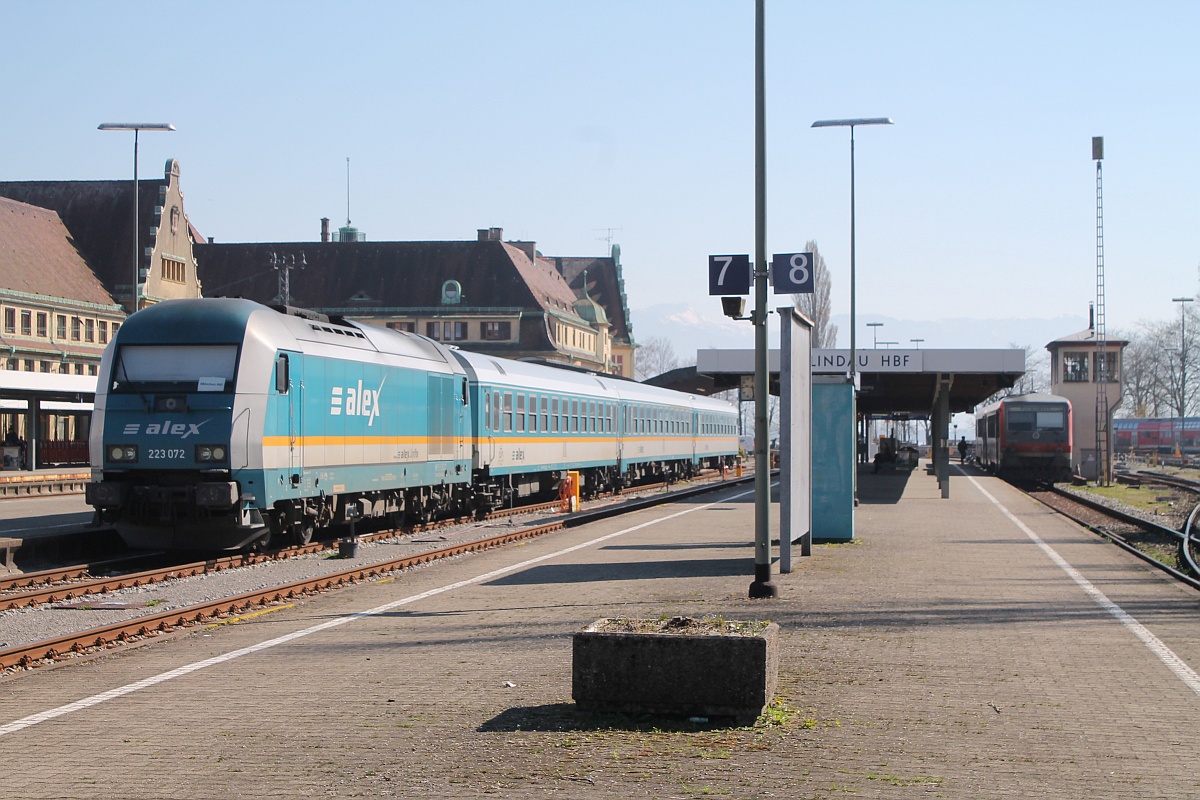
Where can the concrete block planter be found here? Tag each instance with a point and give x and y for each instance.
(684, 666)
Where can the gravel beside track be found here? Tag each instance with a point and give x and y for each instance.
(25, 626)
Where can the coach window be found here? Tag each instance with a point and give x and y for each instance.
(508, 412)
(495, 411)
(520, 413)
(487, 409)
(554, 415)
(545, 401)
(574, 415)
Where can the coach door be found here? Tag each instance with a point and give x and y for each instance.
(290, 387)
(464, 411)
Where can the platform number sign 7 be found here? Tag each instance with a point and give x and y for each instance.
(792, 273)
(728, 275)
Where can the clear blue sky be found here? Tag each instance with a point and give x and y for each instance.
(558, 119)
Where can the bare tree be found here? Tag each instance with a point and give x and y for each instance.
(1138, 382)
(1161, 368)
(1036, 377)
(1037, 370)
(654, 357)
(817, 306)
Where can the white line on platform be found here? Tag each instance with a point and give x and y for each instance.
(1156, 646)
(121, 691)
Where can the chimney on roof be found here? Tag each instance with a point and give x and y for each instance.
(1091, 316)
(491, 234)
(324, 229)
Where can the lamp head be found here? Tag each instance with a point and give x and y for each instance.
(734, 307)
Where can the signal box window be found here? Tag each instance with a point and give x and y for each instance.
(1110, 366)
(1075, 367)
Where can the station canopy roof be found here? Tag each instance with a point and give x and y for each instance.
(892, 382)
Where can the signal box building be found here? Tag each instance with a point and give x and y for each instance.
(1075, 371)
(486, 295)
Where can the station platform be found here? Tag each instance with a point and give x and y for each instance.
(47, 481)
(978, 646)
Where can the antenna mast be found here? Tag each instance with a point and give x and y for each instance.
(1103, 450)
(347, 191)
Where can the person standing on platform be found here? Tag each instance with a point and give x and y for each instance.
(962, 450)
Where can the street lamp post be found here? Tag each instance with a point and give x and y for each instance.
(136, 127)
(852, 124)
(1182, 366)
(874, 326)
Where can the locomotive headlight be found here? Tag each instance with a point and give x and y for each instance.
(124, 453)
(210, 453)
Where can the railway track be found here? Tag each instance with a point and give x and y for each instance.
(80, 581)
(139, 627)
(1158, 545)
(61, 584)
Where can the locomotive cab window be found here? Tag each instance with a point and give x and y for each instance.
(282, 376)
(175, 368)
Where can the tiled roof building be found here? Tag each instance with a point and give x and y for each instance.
(99, 215)
(55, 315)
(486, 295)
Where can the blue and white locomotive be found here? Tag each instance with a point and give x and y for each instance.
(225, 424)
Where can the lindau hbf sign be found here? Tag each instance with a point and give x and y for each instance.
(838, 361)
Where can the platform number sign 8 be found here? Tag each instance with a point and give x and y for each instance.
(729, 275)
(791, 273)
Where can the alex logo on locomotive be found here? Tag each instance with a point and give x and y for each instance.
(355, 401)
(165, 428)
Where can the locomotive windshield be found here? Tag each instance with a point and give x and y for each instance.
(175, 368)
(1028, 420)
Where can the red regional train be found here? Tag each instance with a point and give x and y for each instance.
(1156, 435)
(1026, 437)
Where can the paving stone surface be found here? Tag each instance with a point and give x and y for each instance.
(941, 654)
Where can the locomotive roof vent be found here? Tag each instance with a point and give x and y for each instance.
(303, 313)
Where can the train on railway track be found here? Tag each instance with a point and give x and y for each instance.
(223, 424)
(1162, 435)
(1025, 437)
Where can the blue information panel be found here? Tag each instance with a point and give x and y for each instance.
(792, 273)
(728, 275)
